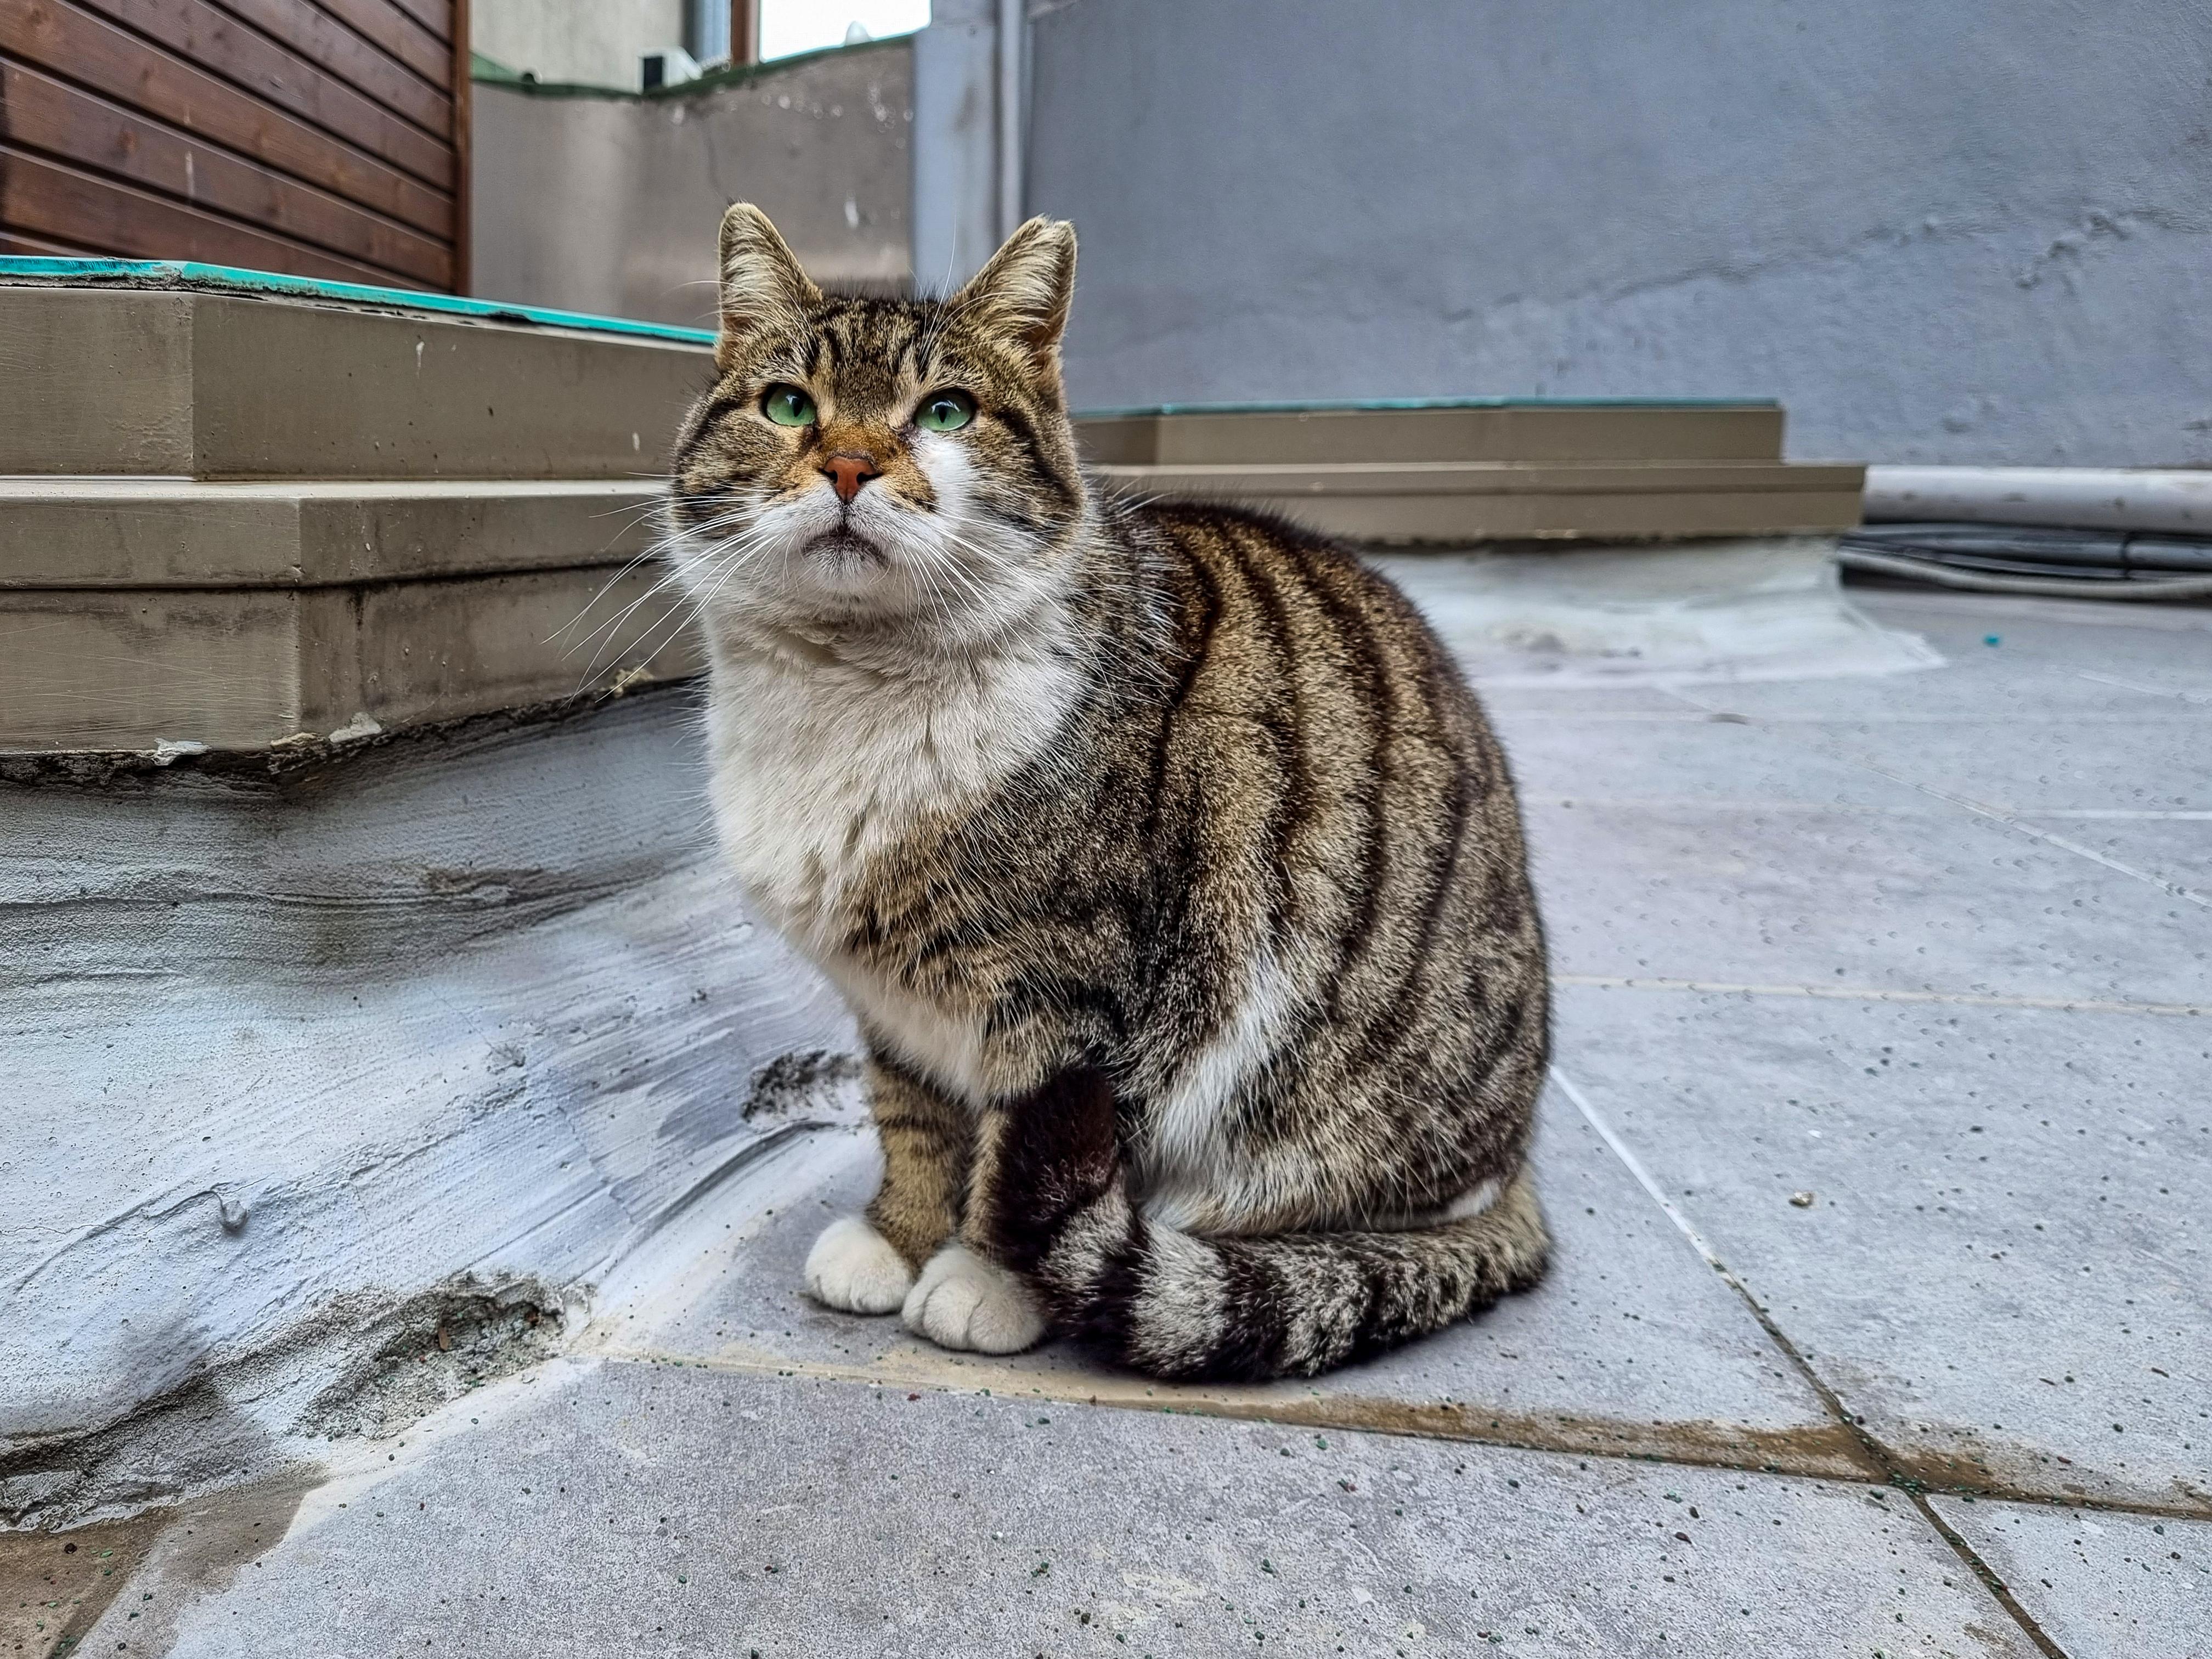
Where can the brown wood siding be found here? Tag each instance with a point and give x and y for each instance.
(385, 24)
(435, 16)
(322, 139)
(16, 244)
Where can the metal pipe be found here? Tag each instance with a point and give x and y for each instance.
(2095, 498)
(1977, 581)
(1010, 26)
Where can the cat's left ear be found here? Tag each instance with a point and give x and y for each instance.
(765, 291)
(1023, 293)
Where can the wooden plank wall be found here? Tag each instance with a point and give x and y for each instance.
(318, 137)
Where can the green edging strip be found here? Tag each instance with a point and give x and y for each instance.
(493, 73)
(230, 279)
(481, 68)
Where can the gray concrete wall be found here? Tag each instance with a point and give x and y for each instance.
(609, 204)
(597, 45)
(1938, 231)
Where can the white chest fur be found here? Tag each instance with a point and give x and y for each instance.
(819, 766)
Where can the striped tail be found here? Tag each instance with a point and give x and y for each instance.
(1182, 1307)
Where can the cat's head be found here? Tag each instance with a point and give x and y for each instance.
(880, 464)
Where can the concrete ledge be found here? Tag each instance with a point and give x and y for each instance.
(219, 385)
(1475, 430)
(1452, 502)
(169, 671)
(167, 532)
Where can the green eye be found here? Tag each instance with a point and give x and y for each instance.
(944, 411)
(786, 405)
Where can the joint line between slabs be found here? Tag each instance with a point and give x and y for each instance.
(1996, 814)
(1872, 1446)
(1265, 1414)
(2148, 690)
(1877, 993)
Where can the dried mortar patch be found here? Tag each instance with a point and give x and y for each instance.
(435, 1350)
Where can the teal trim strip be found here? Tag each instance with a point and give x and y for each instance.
(229, 279)
(1326, 405)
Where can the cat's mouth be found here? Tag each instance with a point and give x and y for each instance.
(844, 542)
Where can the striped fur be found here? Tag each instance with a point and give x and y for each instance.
(1170, 867)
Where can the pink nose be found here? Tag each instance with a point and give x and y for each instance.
(848, 472)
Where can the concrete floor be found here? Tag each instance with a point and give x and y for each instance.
(1933, 948)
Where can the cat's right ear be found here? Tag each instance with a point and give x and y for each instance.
(1023, 291)
(764, 289)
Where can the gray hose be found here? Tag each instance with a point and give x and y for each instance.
(2062, 588)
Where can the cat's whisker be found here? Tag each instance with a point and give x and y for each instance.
(656, 551)
(609, 631)
(606, 587)
(671, 538)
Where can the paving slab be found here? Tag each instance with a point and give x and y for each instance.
(1744, 894)
(2101, 1585)
(685, 1511)
(2056, 717)
(2153, 761)
(2129, 638)
(1506, 698)
(2005, 1269)
(1677, 752)
(2064, 663)
(1631, 1345)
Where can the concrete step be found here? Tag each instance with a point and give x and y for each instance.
(240, 512)
(122, 368)
(1462, 503)
(145, 612)
(170, 672)
(114, 532)
(1463, 429)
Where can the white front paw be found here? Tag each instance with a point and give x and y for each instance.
(963, 1301)
(853, 1269)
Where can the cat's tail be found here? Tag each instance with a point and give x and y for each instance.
(1180, 1306)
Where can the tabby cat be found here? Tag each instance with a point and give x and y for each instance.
(1167, 863)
